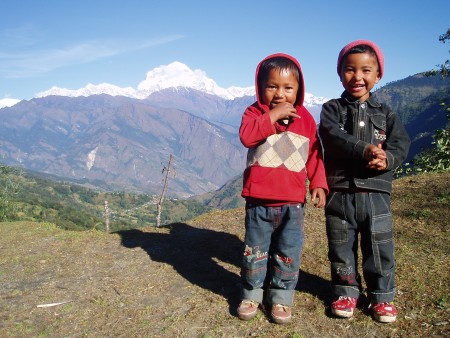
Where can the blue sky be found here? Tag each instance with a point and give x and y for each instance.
(69, 44)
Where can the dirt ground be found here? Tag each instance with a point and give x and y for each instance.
(180, 280)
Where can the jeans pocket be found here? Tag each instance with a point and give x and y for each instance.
(337, 227)
(382, 226)
(381, 205)
(337, 230)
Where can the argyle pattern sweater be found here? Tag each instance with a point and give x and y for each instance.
(281, 158)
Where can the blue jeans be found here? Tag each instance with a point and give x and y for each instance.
(273, 245)
(366, 215)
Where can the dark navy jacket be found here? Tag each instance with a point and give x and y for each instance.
(346, 128)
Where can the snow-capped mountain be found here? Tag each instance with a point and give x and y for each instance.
(7, 102)
(311, 100)
(174, 75)
(90, 89)
(178, 74)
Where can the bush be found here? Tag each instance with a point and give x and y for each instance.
(435, 159)
(8, 189)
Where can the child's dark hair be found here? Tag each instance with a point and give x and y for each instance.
(279, 63)
(361, 46)
(361, 49)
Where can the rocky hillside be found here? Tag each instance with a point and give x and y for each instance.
(119, 143)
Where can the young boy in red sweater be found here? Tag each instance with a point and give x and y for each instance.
(284, 151)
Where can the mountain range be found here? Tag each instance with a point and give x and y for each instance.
(121, 138)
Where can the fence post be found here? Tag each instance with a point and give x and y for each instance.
(106, 215)
(161, 199)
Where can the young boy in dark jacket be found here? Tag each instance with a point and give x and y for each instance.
(364, 141)
(284, 151)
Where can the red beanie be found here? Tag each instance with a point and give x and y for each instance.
(377, 50)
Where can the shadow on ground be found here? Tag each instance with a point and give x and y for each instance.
(195, 254)
(317, 287)
(314, 285)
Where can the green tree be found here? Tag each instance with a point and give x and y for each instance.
(443, 69)
(436, 158)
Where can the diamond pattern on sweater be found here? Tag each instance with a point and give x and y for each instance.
(286, 150)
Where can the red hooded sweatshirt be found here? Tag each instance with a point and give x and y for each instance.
(281, 157)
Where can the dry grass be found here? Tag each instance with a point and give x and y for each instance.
(182, 280)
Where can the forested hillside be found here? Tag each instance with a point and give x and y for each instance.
(418, 101)
(32, 197)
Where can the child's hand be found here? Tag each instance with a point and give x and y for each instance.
(282, 111)
(318, 193)
(376, 157)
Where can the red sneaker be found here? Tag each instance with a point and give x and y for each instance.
(384, 312)
(343, 306)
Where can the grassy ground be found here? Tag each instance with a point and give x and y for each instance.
(182, 280)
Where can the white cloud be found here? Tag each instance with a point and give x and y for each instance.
(30, 63)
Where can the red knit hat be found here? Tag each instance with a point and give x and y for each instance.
(377, 50)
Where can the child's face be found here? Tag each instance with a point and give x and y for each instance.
(359, 73)
(281, 86)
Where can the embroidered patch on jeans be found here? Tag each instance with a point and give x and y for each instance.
(257, 255)
(346, 274)
(286, 260)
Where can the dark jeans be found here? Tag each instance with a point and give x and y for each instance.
(366, 215)
(273, 244)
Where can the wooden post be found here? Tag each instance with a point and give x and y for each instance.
(161, 199)
(106, 215)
